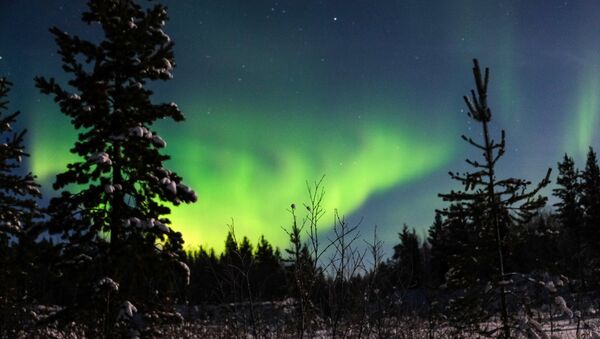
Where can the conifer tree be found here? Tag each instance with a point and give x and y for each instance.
(408, 259)
(590, 202)
(570, 215)
(111, 212)
(18, 210)
(439, 250)
(268, 274)
(492, 208)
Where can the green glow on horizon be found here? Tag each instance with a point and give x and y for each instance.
(251, 171)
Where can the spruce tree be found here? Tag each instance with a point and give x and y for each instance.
(493, 210)
(409, 263)
(268, 274)
(112, 208)
(19, 194)
(570, 214)
(590, 202)
(439, 250)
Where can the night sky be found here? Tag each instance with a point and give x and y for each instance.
(367, 93)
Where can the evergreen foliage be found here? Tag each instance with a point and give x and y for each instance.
(438, 243)
(111, 213)
(19, 194)
(569, 212)
(590, 203)
(408, 258)
(491, 210)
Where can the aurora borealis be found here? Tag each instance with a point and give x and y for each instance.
(367, 93)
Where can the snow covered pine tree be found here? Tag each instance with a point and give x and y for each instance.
(111, 211)
(492, 210)
(18, 210)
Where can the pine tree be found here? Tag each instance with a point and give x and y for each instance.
(18, 211)
(268, 275)
(494, 208)
(439, 250)
(111, 212)
(408, 259)
(590, 202)
(570, 215)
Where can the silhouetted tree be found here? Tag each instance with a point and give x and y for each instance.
(205, 283)
(18, 210)
(111, 210)
(590, 202)
(408, 258)
(268, 275)
(439, 251)
(494, 208)
(570, 215)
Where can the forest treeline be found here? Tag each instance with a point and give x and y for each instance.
(102, 261)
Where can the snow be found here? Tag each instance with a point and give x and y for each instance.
(167, 64)
(171, 186)
(100, 158)
(74, 96)
(158, 142)
(562, 304)
(127, 310)
(109, 188)
(165, 72)
(164, 228)
(33, 189)
(137, 131)
(164, 35)
(131, 24)
(150, 223)
(108, 282)
(188, 191)
(186, 269)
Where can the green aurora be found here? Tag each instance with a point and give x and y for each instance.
(278, 93)
(251, 175)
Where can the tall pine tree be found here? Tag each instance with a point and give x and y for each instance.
(438, 241)
(570, 215)
(18, 210)
(112, 209)
(409, 263)
(492, 208)
(590, 202)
